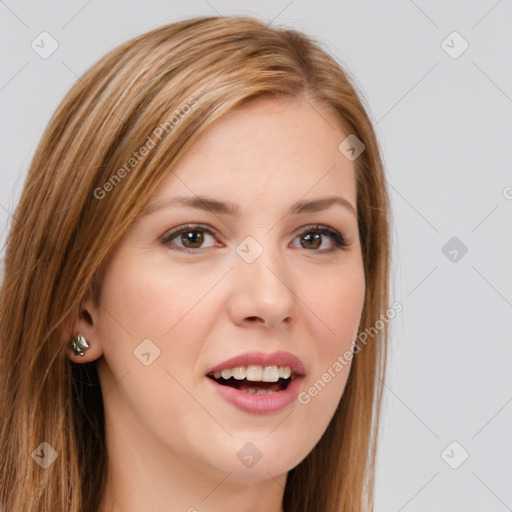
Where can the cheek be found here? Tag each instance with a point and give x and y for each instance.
(172, 308)
(151, 300)
(167, 313)
(333, 321)
(335, 312)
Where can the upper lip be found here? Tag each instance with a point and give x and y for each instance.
(278, 358)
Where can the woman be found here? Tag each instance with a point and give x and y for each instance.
(202, 237)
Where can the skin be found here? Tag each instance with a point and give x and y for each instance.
(172, 441)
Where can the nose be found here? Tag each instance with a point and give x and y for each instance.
(263, 291)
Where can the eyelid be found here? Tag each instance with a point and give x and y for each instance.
(168, 235)
(340, 240)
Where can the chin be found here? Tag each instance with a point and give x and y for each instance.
(258, 457)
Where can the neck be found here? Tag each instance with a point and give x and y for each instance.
(131, 488)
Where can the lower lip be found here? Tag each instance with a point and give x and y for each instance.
(259, 404)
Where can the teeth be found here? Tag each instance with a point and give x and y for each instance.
(270, 374)
(254, 391)
(239, 372)
(285, 372)
(256, 373)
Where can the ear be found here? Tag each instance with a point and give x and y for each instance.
(84, 322)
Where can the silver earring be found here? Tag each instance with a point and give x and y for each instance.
(78, 345)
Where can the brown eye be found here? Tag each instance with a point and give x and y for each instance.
(313, 238)
(312, 241)
(189, 238)
(194, 238)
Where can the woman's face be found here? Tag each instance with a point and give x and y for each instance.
(261, 284)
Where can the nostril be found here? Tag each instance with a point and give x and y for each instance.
(254, 319)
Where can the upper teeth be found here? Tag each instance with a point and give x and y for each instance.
(254, 372)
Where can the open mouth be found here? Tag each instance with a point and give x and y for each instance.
(255, 379)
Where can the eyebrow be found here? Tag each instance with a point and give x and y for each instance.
(227, 208)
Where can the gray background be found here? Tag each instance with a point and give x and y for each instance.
(445, 128)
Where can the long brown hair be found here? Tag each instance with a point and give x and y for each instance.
(69, 220)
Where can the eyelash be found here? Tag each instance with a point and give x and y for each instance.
(340, 242)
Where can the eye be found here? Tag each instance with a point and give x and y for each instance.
(192, 237)
(313, 238)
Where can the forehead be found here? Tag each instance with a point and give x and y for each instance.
(266, 150)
